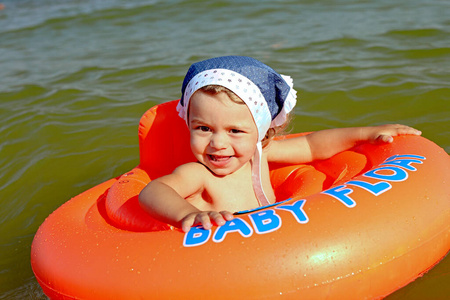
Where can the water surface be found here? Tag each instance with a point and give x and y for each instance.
(75, 77)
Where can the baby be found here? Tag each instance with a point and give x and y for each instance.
(233, 106)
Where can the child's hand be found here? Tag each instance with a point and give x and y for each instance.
(385, 133)
(206, 219)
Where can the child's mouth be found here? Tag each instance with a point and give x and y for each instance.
(219, 158)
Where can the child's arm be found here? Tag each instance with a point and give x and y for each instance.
(326, 143)
(164, 199)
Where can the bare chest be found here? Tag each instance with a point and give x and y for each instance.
(232, 193)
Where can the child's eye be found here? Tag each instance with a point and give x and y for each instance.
(203, 128)
(236, 131)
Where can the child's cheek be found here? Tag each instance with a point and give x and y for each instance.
(247, 149)
(197, 146)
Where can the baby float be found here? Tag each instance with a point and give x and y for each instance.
(359, 225)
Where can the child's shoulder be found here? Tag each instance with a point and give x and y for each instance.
(192, 169)
(187, 178)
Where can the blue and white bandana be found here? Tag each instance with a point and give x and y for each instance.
(269, 96)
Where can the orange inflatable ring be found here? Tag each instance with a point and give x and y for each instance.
(357, 226)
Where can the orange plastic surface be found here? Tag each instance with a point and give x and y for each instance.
(102, 245)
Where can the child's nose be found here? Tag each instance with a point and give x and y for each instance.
(218, 141)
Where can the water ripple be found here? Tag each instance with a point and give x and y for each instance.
(77, 76)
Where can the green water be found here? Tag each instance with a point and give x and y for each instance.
(75, 77)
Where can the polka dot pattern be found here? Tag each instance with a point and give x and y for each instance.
(261, 87)
(243, 87)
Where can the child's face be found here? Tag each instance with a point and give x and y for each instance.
(223, 133)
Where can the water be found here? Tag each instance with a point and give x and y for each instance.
(75, 77)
